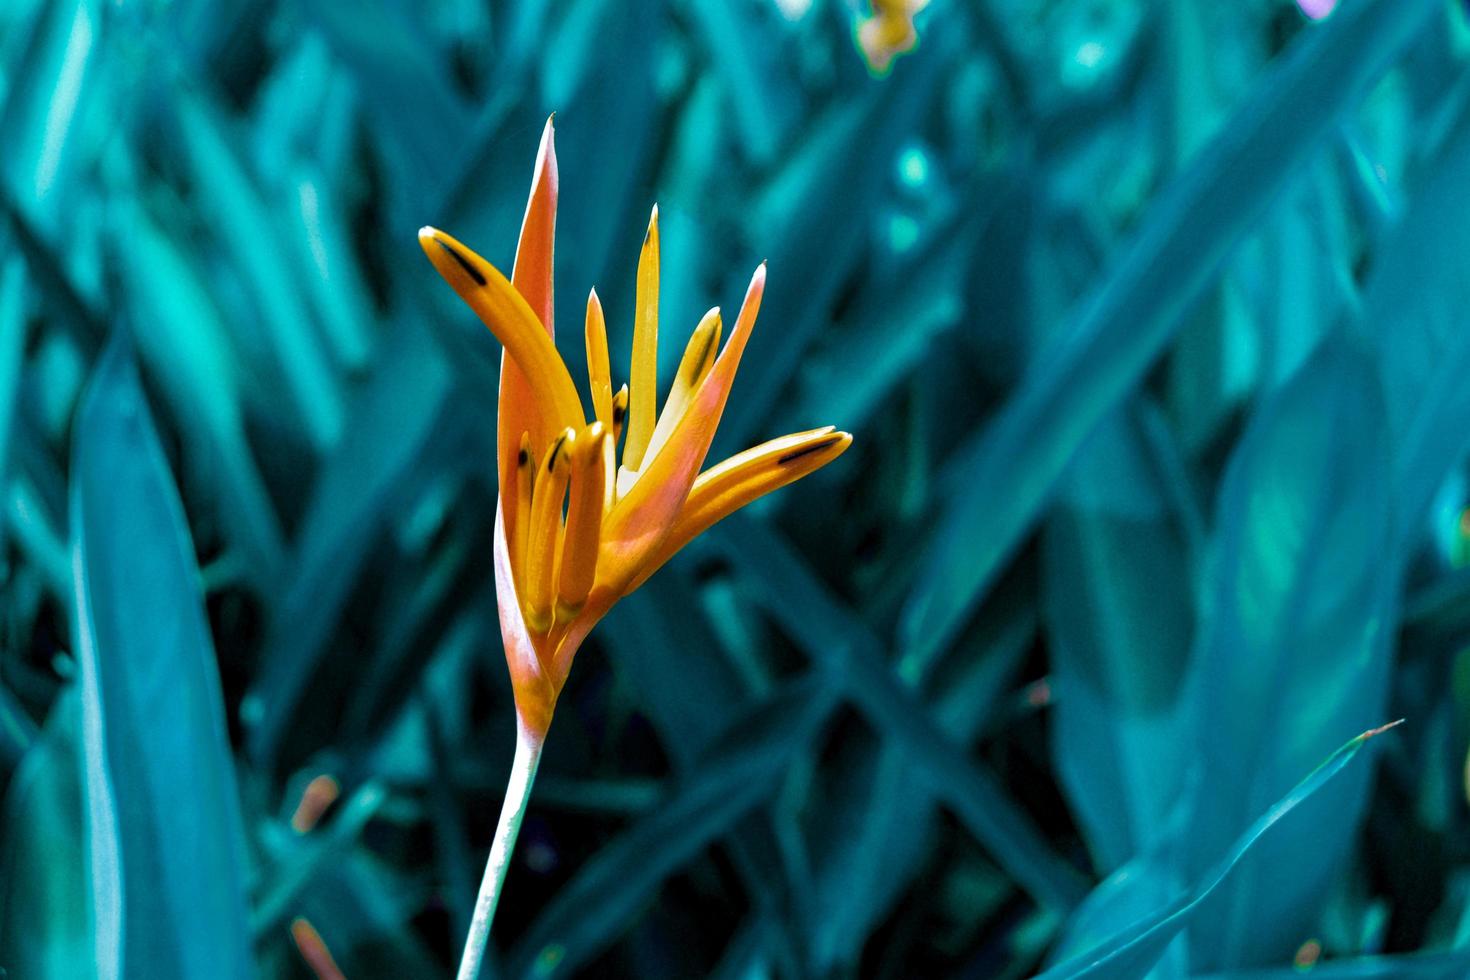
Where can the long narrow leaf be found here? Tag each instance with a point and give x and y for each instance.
(164, 830)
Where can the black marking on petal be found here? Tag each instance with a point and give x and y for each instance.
(698, 363)
(523, 458)
(464, 263)
(806, 451)
(619, 412)
(556, 448)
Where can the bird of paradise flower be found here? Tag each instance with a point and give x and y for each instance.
(577, 526)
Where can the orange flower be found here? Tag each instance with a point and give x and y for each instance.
(577, 528)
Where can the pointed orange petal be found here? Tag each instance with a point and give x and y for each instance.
(730, 485)
(640, 520)
(535, 693)
(553, 403)
(534, 251)
(532, 277)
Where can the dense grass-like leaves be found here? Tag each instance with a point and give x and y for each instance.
(1122, 326)
(1148, 323)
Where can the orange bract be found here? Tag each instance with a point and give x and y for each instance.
(574, 530)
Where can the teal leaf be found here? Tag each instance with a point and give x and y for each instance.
(1120, 613)
(164, 830)
(1293, 646)
(1133, 951)
(1415, 304)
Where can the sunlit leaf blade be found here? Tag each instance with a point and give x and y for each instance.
(1011, 469)
(48, 93)
(1133, 951)
(164, 832)
(1292, 646)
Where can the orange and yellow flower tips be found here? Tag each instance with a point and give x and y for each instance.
(579, 525)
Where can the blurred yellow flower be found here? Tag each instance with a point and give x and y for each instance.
(578, 527)
(889, 32)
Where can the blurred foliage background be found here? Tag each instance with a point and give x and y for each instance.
(1149, 320)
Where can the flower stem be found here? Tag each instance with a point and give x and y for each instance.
(512, 811)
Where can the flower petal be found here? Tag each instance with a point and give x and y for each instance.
(544, 542)
(699, 358)
(619, 413)
(588, 491)
(515, 500)
(599, 372)
(640, 520)
(535, 693)
(730, 485)
(531, 275)
(643, 374)
(553, 403)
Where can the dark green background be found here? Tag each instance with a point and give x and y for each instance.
(1150, 323)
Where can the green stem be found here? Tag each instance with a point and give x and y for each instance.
(512, 812)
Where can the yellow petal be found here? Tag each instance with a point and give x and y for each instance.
(698, 358)
(725, 488)
(643, 376)
(599, 373)
(515, 498)
(553, 402)
(543, 543)
(587, 494)
(642, 518)
(531, 276)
